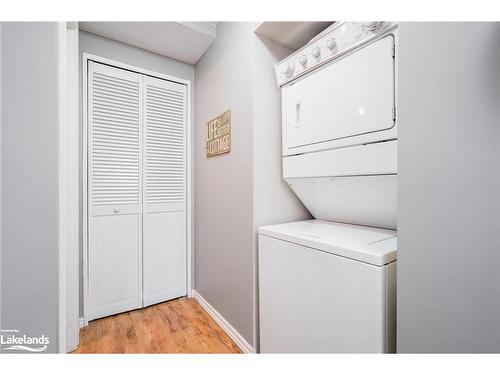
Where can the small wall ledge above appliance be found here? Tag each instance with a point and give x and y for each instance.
(292, 35)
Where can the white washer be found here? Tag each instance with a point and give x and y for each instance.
(327, 287)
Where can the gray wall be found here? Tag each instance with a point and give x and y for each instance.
(448, 193)
(29, 179)
(238, 192)
(224, 184)
(123, 53)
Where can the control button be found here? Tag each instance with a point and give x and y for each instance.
(287, 69)
(331, 43)
(303, 60)
(316, 52)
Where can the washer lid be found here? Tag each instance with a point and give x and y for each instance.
(365, 244)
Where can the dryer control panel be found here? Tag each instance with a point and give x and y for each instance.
(335, 41)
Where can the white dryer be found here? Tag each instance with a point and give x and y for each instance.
(328, 285)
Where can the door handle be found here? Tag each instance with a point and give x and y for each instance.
(116, 210)
(298, 120)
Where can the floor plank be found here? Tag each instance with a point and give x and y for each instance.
(178, 326)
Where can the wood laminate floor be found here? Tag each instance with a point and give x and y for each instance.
(178, 326)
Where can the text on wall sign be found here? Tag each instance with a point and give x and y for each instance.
(219, 135)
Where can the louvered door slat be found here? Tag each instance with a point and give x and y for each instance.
(164, 141)
(116, 126)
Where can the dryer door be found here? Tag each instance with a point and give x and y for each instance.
(340, 103)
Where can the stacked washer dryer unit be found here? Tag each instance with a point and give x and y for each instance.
(329, 284)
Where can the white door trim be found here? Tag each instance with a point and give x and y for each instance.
(86, 57)
(68, 205)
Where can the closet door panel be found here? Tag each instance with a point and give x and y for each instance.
(113, 265)
(115, 190)
(164, 220)
(164, 258)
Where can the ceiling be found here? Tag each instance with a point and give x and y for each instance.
(183, 41)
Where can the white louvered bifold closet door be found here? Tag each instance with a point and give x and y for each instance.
(164, 168)
(115, 190)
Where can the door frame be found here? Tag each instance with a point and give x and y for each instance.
(68, 206)
(86, 57)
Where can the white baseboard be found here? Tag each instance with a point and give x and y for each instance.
(223, 323)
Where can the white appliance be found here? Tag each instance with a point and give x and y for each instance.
(137, 190)
(327, 287)
(339, 100)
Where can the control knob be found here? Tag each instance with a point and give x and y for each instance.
(287, 69)
(316, 52)
(303, 60)
(331, 43)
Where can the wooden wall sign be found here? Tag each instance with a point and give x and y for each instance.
(219, 135)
